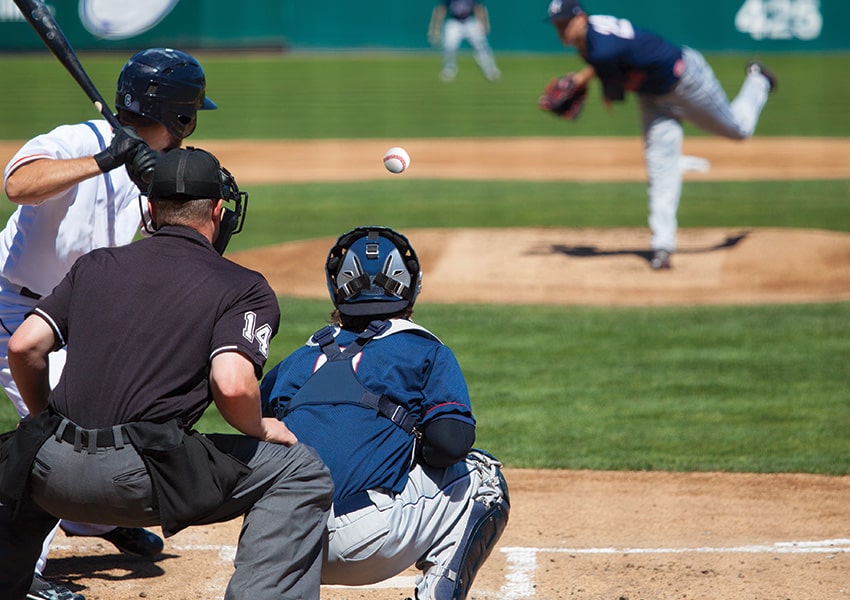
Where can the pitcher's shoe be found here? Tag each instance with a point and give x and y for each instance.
(759, 69)
(660, 260)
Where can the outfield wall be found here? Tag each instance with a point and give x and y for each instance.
(517, 25)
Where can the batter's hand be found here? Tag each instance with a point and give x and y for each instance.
(140, 167)
(121, 149)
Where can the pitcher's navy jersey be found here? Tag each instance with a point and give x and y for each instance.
(627, 58)
(368, 451)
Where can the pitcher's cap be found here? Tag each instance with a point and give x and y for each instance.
(564, 10)
(186, 174)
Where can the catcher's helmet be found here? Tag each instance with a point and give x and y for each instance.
(372, 271)
(165, 85)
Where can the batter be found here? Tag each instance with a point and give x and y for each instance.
(674, 84)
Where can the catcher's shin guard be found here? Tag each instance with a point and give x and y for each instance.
(487, 521)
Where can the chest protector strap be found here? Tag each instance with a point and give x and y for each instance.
(335, 382)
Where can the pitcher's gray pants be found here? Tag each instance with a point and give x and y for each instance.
(699, 99)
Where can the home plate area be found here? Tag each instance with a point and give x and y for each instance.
(593, 535)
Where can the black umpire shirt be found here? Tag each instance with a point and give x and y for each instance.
(142, 322)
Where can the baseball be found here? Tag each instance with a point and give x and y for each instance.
(396, 160)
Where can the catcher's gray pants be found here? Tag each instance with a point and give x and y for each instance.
(285, 500)
(421, 525)
(698, 98)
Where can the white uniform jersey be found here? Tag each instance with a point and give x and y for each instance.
(41, 242)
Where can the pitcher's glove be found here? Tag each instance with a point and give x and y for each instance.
(564, 97)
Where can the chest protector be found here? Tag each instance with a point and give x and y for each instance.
(336, 382)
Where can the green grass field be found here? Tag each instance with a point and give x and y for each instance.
(399, 96)
(757, 388)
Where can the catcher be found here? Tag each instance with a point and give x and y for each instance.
(385, 405)
(673, 83)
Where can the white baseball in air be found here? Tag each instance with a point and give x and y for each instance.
(396, 160)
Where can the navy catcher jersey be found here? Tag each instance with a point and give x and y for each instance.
(362, 449)
(627, 58)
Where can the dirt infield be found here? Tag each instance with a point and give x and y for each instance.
(572, 535)
(595, 266)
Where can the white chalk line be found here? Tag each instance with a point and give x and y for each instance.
(521, 553)
(522, 562)
(801, 547)
(397, 582)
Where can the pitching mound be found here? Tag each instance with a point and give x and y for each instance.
(595, 266)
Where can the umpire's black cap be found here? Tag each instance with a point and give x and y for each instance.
(186, 174)
(564, 10)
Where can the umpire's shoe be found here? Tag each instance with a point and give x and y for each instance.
(134, 541)
(41, 589)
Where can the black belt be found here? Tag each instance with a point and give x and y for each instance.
(28, 293)
(103, 438)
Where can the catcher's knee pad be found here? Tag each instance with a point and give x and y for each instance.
(487, 521)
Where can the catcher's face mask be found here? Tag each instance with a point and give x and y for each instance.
(372, 271)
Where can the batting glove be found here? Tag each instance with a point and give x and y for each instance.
(121, 149)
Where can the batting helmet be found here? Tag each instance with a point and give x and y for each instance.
(372, 271)
(165, 85)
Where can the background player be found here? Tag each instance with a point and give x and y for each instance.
(409, 487)
(460, 20)
(674, 83)
(72, 197)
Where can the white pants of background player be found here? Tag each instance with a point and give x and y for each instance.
(422, 525)
(699, 99)
(471, 29)
(13, 308)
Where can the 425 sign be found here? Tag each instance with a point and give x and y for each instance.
(780, 19)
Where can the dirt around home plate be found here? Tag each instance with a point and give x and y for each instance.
(572, 534)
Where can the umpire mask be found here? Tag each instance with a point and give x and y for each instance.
(194, 174)
(233, 219)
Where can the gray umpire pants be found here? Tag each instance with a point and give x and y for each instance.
(285, 500)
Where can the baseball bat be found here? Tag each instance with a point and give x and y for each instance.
(44, 23)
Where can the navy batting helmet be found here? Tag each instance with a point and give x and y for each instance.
(165, 85)
(372, 271)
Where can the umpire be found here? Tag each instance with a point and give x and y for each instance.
(156, 331)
